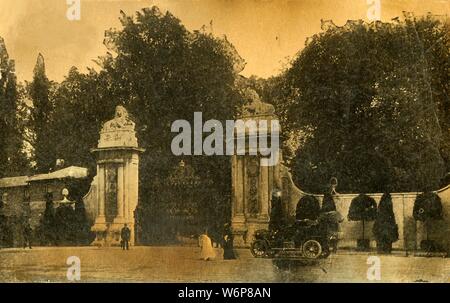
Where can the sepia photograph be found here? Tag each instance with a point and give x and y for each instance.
(224, 141)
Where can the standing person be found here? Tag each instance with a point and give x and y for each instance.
(228, 252)
(27, 234)
(207, 251)
(125, 234)
(332, 218)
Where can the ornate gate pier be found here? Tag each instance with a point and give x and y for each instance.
(252, 183)
(116, 183)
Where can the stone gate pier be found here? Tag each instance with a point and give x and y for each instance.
(114, 193)
(252, 182)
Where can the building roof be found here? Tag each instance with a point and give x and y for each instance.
(68, 172)
(13, 181)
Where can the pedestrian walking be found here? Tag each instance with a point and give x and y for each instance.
(27, 234)
(228, 251)
(207, 251)
(125, 234)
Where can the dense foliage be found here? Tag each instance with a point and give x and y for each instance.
(12, 156)
(41, 118)
(370, 105)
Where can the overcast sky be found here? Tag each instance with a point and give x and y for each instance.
(265, 32)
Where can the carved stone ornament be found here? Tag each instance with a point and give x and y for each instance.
(254, 106)
(118, 132)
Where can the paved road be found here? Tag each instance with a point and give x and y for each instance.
(181, 264)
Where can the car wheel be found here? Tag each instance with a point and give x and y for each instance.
(259, 248)
(312, 249)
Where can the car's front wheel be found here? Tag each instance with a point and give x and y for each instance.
(312, 249)
(259, 248)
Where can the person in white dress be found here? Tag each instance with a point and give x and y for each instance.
(207, 251)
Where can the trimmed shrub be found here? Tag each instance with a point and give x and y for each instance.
(385, 229)
(362, 208)
(308, 207)
(328, 203)
(427, 206)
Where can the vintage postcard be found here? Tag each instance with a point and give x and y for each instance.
(224, 141)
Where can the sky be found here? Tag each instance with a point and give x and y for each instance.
(266, 33)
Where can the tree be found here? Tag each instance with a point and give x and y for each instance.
(13, 160)
(385, 228)
(427, 207)
(41, 118)
(161, 73)
(82, 104)
(374, 121)
(362, 208)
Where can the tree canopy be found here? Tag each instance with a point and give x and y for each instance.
(362, 208)
(370, 102)
(12, 156)
(41, 117)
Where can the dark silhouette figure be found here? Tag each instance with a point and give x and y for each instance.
(276, 213)
(333, 218)
(125, 234)
(228, 252)
(27, 234)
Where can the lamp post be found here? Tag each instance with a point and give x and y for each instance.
(65, 200)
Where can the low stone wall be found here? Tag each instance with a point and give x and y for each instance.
(410, 231)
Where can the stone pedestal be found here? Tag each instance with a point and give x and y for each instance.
(117, 180)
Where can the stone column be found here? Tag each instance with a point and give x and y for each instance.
(264, 190)
(239, 194)
(101, 193)
(238, 217)
(120, 191)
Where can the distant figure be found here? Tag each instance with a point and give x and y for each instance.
(125, 234)
(207, 251)
(27, 234)
(228, 252)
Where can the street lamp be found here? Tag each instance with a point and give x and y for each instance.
(65, 201)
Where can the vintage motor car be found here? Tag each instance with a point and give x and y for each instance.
(306, 238)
